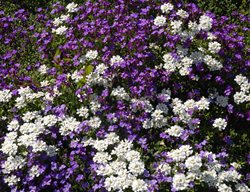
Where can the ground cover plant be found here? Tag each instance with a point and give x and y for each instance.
(126, 96)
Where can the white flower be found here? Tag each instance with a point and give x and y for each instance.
(120, 93)
(175, 131)
(83, 112)
(68, 125)
(11, 180)
(57, 21)
(211, 36)
(180, 154)
(139, 185)
(147, 124)
(43, 69)
(51, 150)
(241, 97)
(193, 163)
(224, 188)
(76, 76)
(34, 171)
(229, 176)
(116, 59)
(240, 79)
(203, 104)
(176, 26)
(94, 122)
(13, 125)
(164, 168)
(49, 120)
(183, 14)
(180, 182)
(5, 95)
(210, 177)
(60, 30)
(214, 47)
(167, 7)
(13, 163)
(100, 145)
(64, 17)
(205, 23)
(160, 21)
(241, 187)
(30, 115)
(220, 123)
(136, 167)
(212, 63)
(194, 27)
(101, 157)
(72, 7)
(169, 62)
(91, 55)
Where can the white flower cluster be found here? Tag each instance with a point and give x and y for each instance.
(91, 55)
(175, 131)
(24, 136)
(167, 7)
(220, 123)
(5, 95)
(43, 69)
(176, 26)
(60, 30)
(68, 125)
(182, 110)
(188, 167)
(83, 112)
(26, 96)
(214, 47)
(160, 21)
(244, 94)
(72, 7)
(183, 60)
(120, 93)
(212, 63)
(183, 14)
(76, 76)
(158, 119)
(116, 59)
(205, 23)
(97, 76)
(121, 166)
(59, 20)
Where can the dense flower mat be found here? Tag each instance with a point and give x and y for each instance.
(124, 96)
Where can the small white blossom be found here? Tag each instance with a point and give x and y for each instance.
(220, 123)
(72, 7)
(214, 47)
(91, 55)
(167, 7)
(160, 21)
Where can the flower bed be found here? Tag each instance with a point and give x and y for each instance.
(124, 96)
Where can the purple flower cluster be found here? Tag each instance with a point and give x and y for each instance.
(124, 96)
